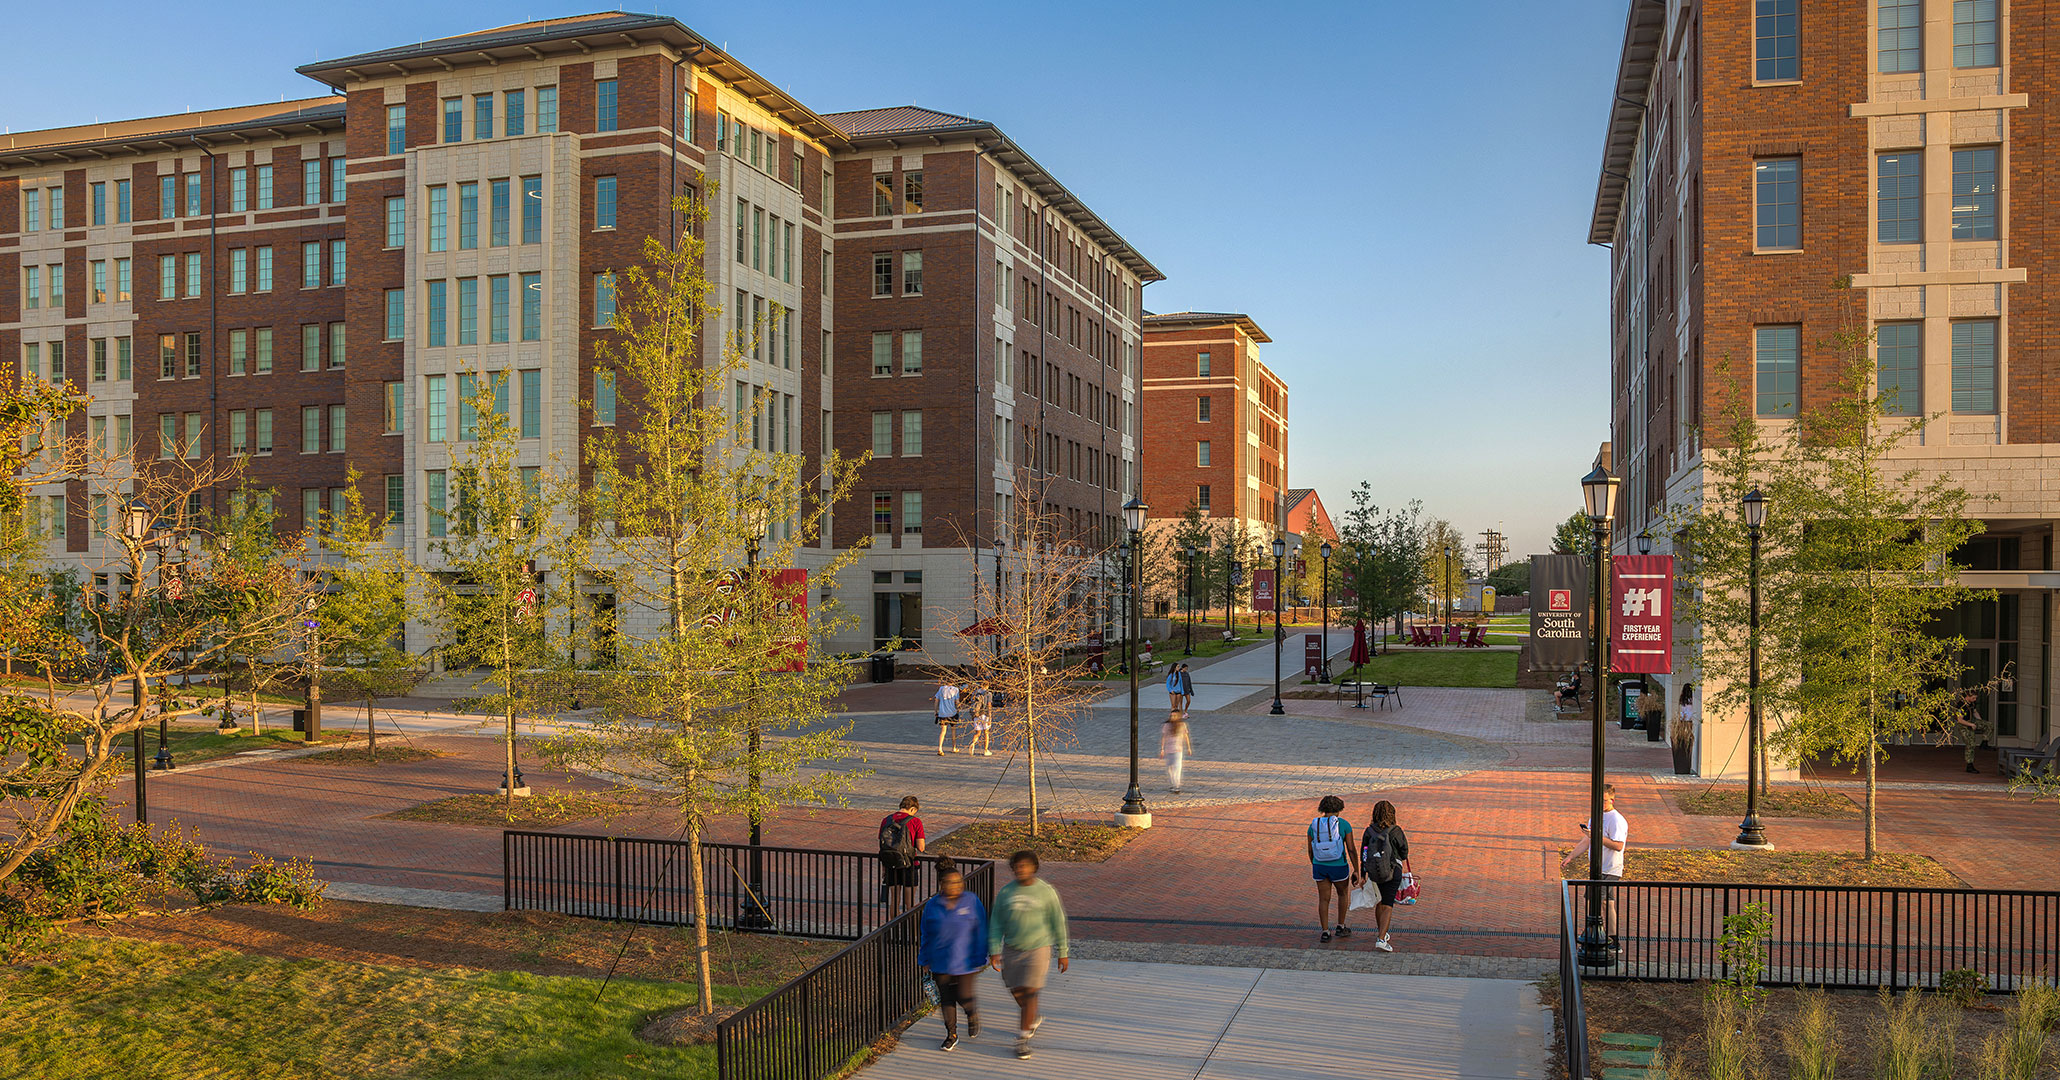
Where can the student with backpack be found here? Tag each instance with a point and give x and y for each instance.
(1383, 855)
(1334, 863)
(901, 840)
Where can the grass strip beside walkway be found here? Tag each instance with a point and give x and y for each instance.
(1456, 667)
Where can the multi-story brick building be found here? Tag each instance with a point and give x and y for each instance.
(322, 284)
(1215, 419)
(1755, 152)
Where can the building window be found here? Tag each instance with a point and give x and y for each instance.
(532, 209)
(193, 194)
(604, 298)
(264, 187)
(1899, 197)
(513, 121)
(124, 280)
(124, 358)
(123, 208)
(56, 208)
(239, 432)
(311, 347)
(468, 311)
(1899, 36)
(311, 265)
(604, 397)
(483, 116)
(468, 408)
(1202, 410)
(1899, 378)
(311, 429)
(396, 314)
(883, 274)
(912, 352)
(546, 110)
(1974, 366)
(497, 309)
(96, 281)
(1974, 193)
(395, 410)
(883, 194)
(437, 409)
(99, 202)
(239, 270)
(604, 105)
(497, 203)
(262, 421)
(263, 348)
(883, 434)
(604, 202)
(453, 120)
(911, 273)
(336, 263)
(1202, 365)
(1776, 46)
(532, 404)
(396, 221)
(883, 512)
(439, 218)
(396, 499)
(239, 352)
(912, 513)
(434, 323)
(912, 433)
(1202, 498)
(533, 307)
(337, 427)
(912, 191)
(396, 129)
(311, 181)
(336, 357)
(787, 256)
(1777, 185)
(338, 176)
(1974, 33)
(883, 355)
(1777, 354)
(434, 496)
(468, 216)
(193, 357)
(239, 190)
(1202, 453)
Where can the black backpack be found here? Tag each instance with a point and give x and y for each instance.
(1376, 858)
(897, 846)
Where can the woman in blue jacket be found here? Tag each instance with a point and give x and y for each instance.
(954, 949)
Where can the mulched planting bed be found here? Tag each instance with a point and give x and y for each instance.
(532, 941)
(1056, 841)
(385, 755)
(1674, 1012)
(1777, 802)
(1779, 868)
(491, 809)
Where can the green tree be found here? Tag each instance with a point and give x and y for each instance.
(726, 710)
(248, 538)
(1385, 566)
(1512, 578)
(1444, 563)
(1573, 536)
(365, 611)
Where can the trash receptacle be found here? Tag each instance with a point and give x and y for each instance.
(1630, 690)
(883, 667)
(300, 719)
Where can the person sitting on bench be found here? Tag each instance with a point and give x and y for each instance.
(1569, 692)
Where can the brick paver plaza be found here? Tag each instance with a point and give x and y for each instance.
(1488, 785)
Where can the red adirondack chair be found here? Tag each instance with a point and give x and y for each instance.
(1474, 639)
(1452, 635)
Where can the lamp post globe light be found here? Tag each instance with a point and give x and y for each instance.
(1134, 813)
(1598, 496)
(1645, 542)
(1752, 835)
(1189, 553)
(1323, 666)
(1279, 560)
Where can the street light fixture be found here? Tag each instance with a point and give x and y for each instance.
(1189, 552)
(1232, 575)
(1598, 494)
(163, 761)
(1645, 542)
(756, 517)
(1134, 813)
(1279, 561)
(136, 519)
(1752, 835)
(1323, 666)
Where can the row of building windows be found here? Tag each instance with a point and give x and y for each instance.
(911, 273)
(911, 442)
(911, 353)
(770, 431)
(499, 216)
(1899, 28)
(769, 244)
(514, 114)
(506, 317)
(470, 389)
(1899, 198)
(764, 330)
(911, 193)
(438, 488)
(111, 358)
(1777, 365)
(749, 145)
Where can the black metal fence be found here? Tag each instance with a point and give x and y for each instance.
(805, 893)
(813, 1026)
(1573, 1018)
(1832, 935)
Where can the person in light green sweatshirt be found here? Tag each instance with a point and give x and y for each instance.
(1028, 923)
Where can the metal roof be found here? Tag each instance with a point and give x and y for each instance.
(1195, 319)
(157, 134)
(903, 125)
(579, 34)
(1644, 27)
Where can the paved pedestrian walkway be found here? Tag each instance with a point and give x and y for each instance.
(1154, 1021)
(1223, 682)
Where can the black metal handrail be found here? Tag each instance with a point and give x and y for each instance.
(804, 892)
(1573, 1018)
(813, 1026)
(1854, 936)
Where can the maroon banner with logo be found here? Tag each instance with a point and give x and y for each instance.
(1262, 590)
(790, 589)
(1641, 595)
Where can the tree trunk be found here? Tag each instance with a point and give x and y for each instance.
(704, 980)
(1872, 737)
(257, 724)
(371, 729)
(1031, 758)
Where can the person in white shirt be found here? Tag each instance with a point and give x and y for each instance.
(947, 715)
(1610, 866)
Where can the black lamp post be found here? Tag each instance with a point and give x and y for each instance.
(163, 761)
(754, 916)
(1323, 665)
(1752, 836)
(1598, 493)
(135, 533)
(1231, 574)
(1279, 559)
(1189, 553)
(1000, 549)
(1134, 812)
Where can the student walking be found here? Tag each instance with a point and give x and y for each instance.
(1967, 714)
(1616, 833)
(1187, 689)
(1174, 746)
(1027, 926)
(983, 721)
(946, 698)
(1383, 855)
(1334, 863)
(1173, 688)
(901, 840)
(953, 950)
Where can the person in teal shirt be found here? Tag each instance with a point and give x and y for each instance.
(1028, 924)
(1334, 863)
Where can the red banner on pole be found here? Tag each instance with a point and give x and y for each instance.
(790, 605)
(1642, 614)
(1262, 590)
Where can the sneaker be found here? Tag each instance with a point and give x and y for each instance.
(1344, 931)
(949, 1044)
(1038, 1024)
(1971, 768)
(1382, 944)
(987, 753)
(1325, 936)
(1022, 1046)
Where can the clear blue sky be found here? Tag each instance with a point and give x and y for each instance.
(1398, 193)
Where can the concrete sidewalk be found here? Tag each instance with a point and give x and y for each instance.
(1223, 682)
(1153, 1021)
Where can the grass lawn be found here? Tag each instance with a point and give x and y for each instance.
(190, 746)
(1456, 667)
(1056, 841)
(104, 1007)
(1207, 644)
(389, 753)
(1775, 802)
(490, 809)
(1779, 868)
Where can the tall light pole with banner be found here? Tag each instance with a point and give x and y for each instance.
(1279, 565)
(1134, 813)
(1598, 493)
(1752, 835)
(1323, 672)
(754, 916)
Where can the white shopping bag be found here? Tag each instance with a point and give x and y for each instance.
(1365, 896)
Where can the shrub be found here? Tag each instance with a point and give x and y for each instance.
(1965, 986)
(1742, 948)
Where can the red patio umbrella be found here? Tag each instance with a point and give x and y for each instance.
(1359, 653)
(988, 627)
